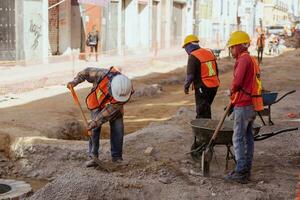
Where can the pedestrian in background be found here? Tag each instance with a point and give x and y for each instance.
(92, 42)
(260, 43)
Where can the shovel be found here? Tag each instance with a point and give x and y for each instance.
(75, 97)
(207, 153)
(88, 133)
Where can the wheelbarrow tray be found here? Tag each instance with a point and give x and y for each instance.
(203, 130)
(269, 97)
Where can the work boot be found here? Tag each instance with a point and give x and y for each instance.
(236, 177)
(117, 159)
(248, 175)
(93, 162)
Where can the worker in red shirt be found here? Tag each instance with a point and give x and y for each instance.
(246, 99)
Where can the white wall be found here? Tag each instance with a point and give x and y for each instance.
(144, 25)
(64, 26)
(188, 15)
(35, 29)
(223, 20)
(131, 23)
(75, 27)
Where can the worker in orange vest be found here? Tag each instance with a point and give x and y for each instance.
(110, 91)
(202, 72)
(246, 99)
(260, 43)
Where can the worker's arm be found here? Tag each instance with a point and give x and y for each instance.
(90, 74)
(217, 69)
(192, 65)
(240, 70)
(110, 112)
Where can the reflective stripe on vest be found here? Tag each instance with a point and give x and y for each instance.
(100, 96)
(208, 67)
(256, 93)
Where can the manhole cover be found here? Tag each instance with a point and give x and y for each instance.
(4, 188)
(13, 189)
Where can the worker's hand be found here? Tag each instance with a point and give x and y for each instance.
(70, 85)
(91, 125)
(186, 90)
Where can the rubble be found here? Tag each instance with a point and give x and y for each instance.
(169, 173)
(148, 151)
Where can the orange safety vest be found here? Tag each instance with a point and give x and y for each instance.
(208, 67)
(100, 96)
(256, 93)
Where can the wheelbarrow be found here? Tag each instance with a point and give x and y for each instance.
(203, 130)
(270, 98)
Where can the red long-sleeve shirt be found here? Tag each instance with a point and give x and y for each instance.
(243, 79)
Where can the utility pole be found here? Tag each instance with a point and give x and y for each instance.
(238, 18)
(254, 15)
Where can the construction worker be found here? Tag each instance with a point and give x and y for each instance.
(260, 43)
(246, 99)
(110, 91)
(202, 71)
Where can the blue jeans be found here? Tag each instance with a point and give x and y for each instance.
(243, 140)
(116, 138)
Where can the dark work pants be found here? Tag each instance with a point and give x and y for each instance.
(204, 98)
(260, 54)
(116, 138)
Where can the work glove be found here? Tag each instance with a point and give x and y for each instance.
(91, 125)
(186, 90)
(70, 85)
(230, 110)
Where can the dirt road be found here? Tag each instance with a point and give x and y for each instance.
(159, 120)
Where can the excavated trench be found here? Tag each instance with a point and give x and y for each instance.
(4, 188)
(14, 189)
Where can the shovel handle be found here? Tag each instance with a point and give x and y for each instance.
(76, 100)
(219, 126)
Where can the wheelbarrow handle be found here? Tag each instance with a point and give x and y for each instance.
(268, 135)
(288, 93)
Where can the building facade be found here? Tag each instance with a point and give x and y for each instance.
(125, 26)
(24, 30)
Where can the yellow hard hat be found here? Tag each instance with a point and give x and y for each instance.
(238, 37)
(189, 39)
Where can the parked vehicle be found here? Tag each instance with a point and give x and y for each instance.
(276, 30)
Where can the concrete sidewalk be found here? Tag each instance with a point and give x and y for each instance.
(22, 84)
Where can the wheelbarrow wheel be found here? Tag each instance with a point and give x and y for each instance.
(196, 151)
(205, 161)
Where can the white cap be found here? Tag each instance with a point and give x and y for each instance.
(121, 88)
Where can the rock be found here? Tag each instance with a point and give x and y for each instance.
(148, 90)
(184, 170)
(202, 182)
(186, 162)
(148, 151)
(165, 180)
(193, 173)
(70, 129)
(4, 142)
